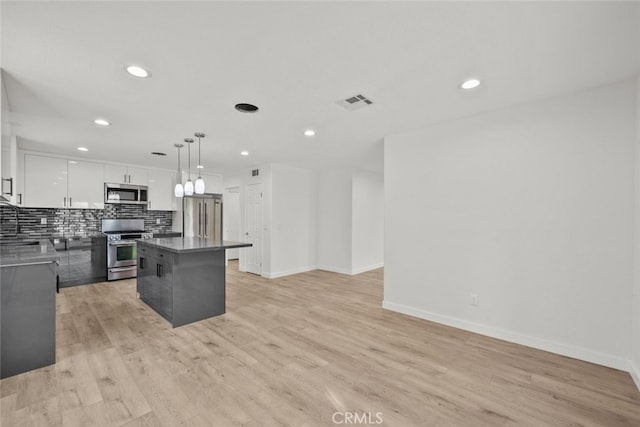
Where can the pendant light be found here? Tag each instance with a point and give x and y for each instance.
(199, 182)
(188, 186)
(179, 190)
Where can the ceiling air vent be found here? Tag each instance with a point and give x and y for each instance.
(355, 102)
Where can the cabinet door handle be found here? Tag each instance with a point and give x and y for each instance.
(141, 263)
(65, 201)
(125, 177)
(129, 179)
(19, 198)
(70, 201)
(161, 270)
(10, 193)
(206, 206)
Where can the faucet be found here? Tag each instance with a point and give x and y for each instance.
(17, 214)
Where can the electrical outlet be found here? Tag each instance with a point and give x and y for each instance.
(474, 300)
(43, 221)
(158, 221)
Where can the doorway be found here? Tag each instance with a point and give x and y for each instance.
(253, 232)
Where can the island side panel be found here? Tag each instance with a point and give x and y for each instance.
(28, 318)
(198, 286)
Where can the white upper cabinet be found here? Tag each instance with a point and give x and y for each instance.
(125, 175)
(114, 173)
(52, 182)
(45, 182)
(85, 185)
(137, 176)
(161, 190)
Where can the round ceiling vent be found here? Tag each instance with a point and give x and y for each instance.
(246, 108)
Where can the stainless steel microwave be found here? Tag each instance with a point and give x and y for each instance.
(125, 193)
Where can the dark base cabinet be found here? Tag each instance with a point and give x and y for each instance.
(82, 260)
(27, 317)
(182, 287)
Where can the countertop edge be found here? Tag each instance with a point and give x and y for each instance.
(176, 244)
(15, 256)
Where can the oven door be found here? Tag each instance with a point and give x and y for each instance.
(121, 253)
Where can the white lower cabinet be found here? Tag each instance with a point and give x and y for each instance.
(51, 182)
(161, 190)
(45, 182)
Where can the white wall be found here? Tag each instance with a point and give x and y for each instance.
(241, 178)
(635, 359)
(293, 221)
(530, 208)
(289, 216)
(334, 220)
(367, 221)
(231, 219)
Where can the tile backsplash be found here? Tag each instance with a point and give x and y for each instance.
(76, 221)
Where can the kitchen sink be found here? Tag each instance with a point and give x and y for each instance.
(23, 243)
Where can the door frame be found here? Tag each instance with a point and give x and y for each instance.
(260, 252)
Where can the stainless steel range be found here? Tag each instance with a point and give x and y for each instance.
(121, 246)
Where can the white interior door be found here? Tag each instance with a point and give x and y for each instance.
(253, 233)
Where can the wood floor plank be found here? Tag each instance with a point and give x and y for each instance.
(302, 350)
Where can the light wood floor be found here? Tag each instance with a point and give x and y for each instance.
(294, 351)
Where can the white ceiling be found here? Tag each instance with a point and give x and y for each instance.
(63, 67)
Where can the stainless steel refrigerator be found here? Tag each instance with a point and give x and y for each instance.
(202, 216)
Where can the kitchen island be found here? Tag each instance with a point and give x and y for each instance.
(183, 279)
(27, 305)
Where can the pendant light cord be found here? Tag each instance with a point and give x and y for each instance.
(189, 141)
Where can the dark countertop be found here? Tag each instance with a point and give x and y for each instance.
(192, 244)
(166, 235)
(39, 251)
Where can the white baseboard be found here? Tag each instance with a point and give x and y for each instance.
(277, 274)
(367, 268)
(350, 272)
(635, 373)
(518, 338)
(334, 269)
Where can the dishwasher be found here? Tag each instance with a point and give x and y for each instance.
(83, 260)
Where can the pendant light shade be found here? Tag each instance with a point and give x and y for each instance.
(188, 186)
(179, 189)
(199, 187)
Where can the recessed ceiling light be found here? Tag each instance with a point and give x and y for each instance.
(309, 132)
(200, 167)
(137, 71)
(101, 122)
(244, 153)
(246, 108)
(470, 84)
(83, 149)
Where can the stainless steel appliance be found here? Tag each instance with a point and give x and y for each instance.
(125, 193)
(121, 246)
(202, 216)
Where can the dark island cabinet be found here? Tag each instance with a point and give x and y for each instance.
(155, 280)
(183, 280)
